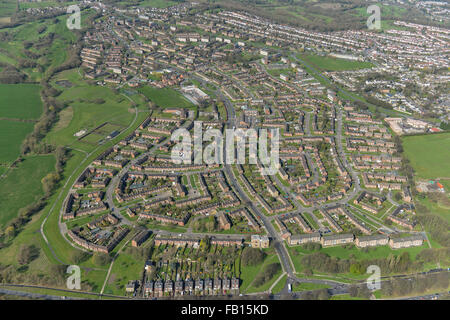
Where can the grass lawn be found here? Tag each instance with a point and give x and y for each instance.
(12, 133)
(166, 97)
(437, 208)
(22, 185)
(326, 63)
(429, 154)
(306, 286)
(280, 285)
(20, 101)
(85, 114)
(249, 273)
(340, 252)
(125, 268)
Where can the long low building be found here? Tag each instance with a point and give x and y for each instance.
(406, 242)
(304, 238)
(372, 241)
(337, 239)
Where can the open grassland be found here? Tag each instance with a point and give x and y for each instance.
(125, 268)
(44, 4)
(20, 101)
(166, 97)
(51, 55)
(372, 253)
(298, 252)
(12, 134)
(89, 107)
(334, 64)
(429, 155)
(306, 286)
(7, 7)
(249, 273)
(22, 185)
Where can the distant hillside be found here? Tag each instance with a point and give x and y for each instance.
(322, 15)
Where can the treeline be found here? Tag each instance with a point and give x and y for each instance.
(269, 272)
(49, 184)
(402, 263)
(9, 74)
(252, 256)
(399, 287)
(437, 226)
(419, 284)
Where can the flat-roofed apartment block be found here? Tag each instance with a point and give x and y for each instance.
(406, 242)
(337, 239)
(260, 241)
(304, 238)
(372, 241)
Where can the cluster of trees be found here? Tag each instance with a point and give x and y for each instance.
(49, 183)
(322, 262)
(10, 74)
(139, 253)
(208, 224)
(406, 286)
(437, 227)
(56, 276)
(252, 256)
(101, 259)
(321, 294)
(27, 253)
(269, 272)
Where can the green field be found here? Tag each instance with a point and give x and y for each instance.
(7, 7)
(249, 273)
(166, 97)
(12, 134)
(429, 155)
(86, 114)
(22, 185)
(340, 252)
(157, 3)
(334, 64)
(125, 268)
(306, 286)
(20, 101)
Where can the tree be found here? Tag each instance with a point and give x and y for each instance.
(78, 256)
(101, 259)
(353, 291)
(356, 268)
(323, 294)
(252, 256)
(27, 254)
(10, 231)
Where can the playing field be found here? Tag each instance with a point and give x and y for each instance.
(334, 64)
(20, 101)
(429, 155)
(87, 114)
(166, 98)
(22, 185)
(12, 134)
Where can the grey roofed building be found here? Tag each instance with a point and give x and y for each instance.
(337, 239)
(303, 238)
